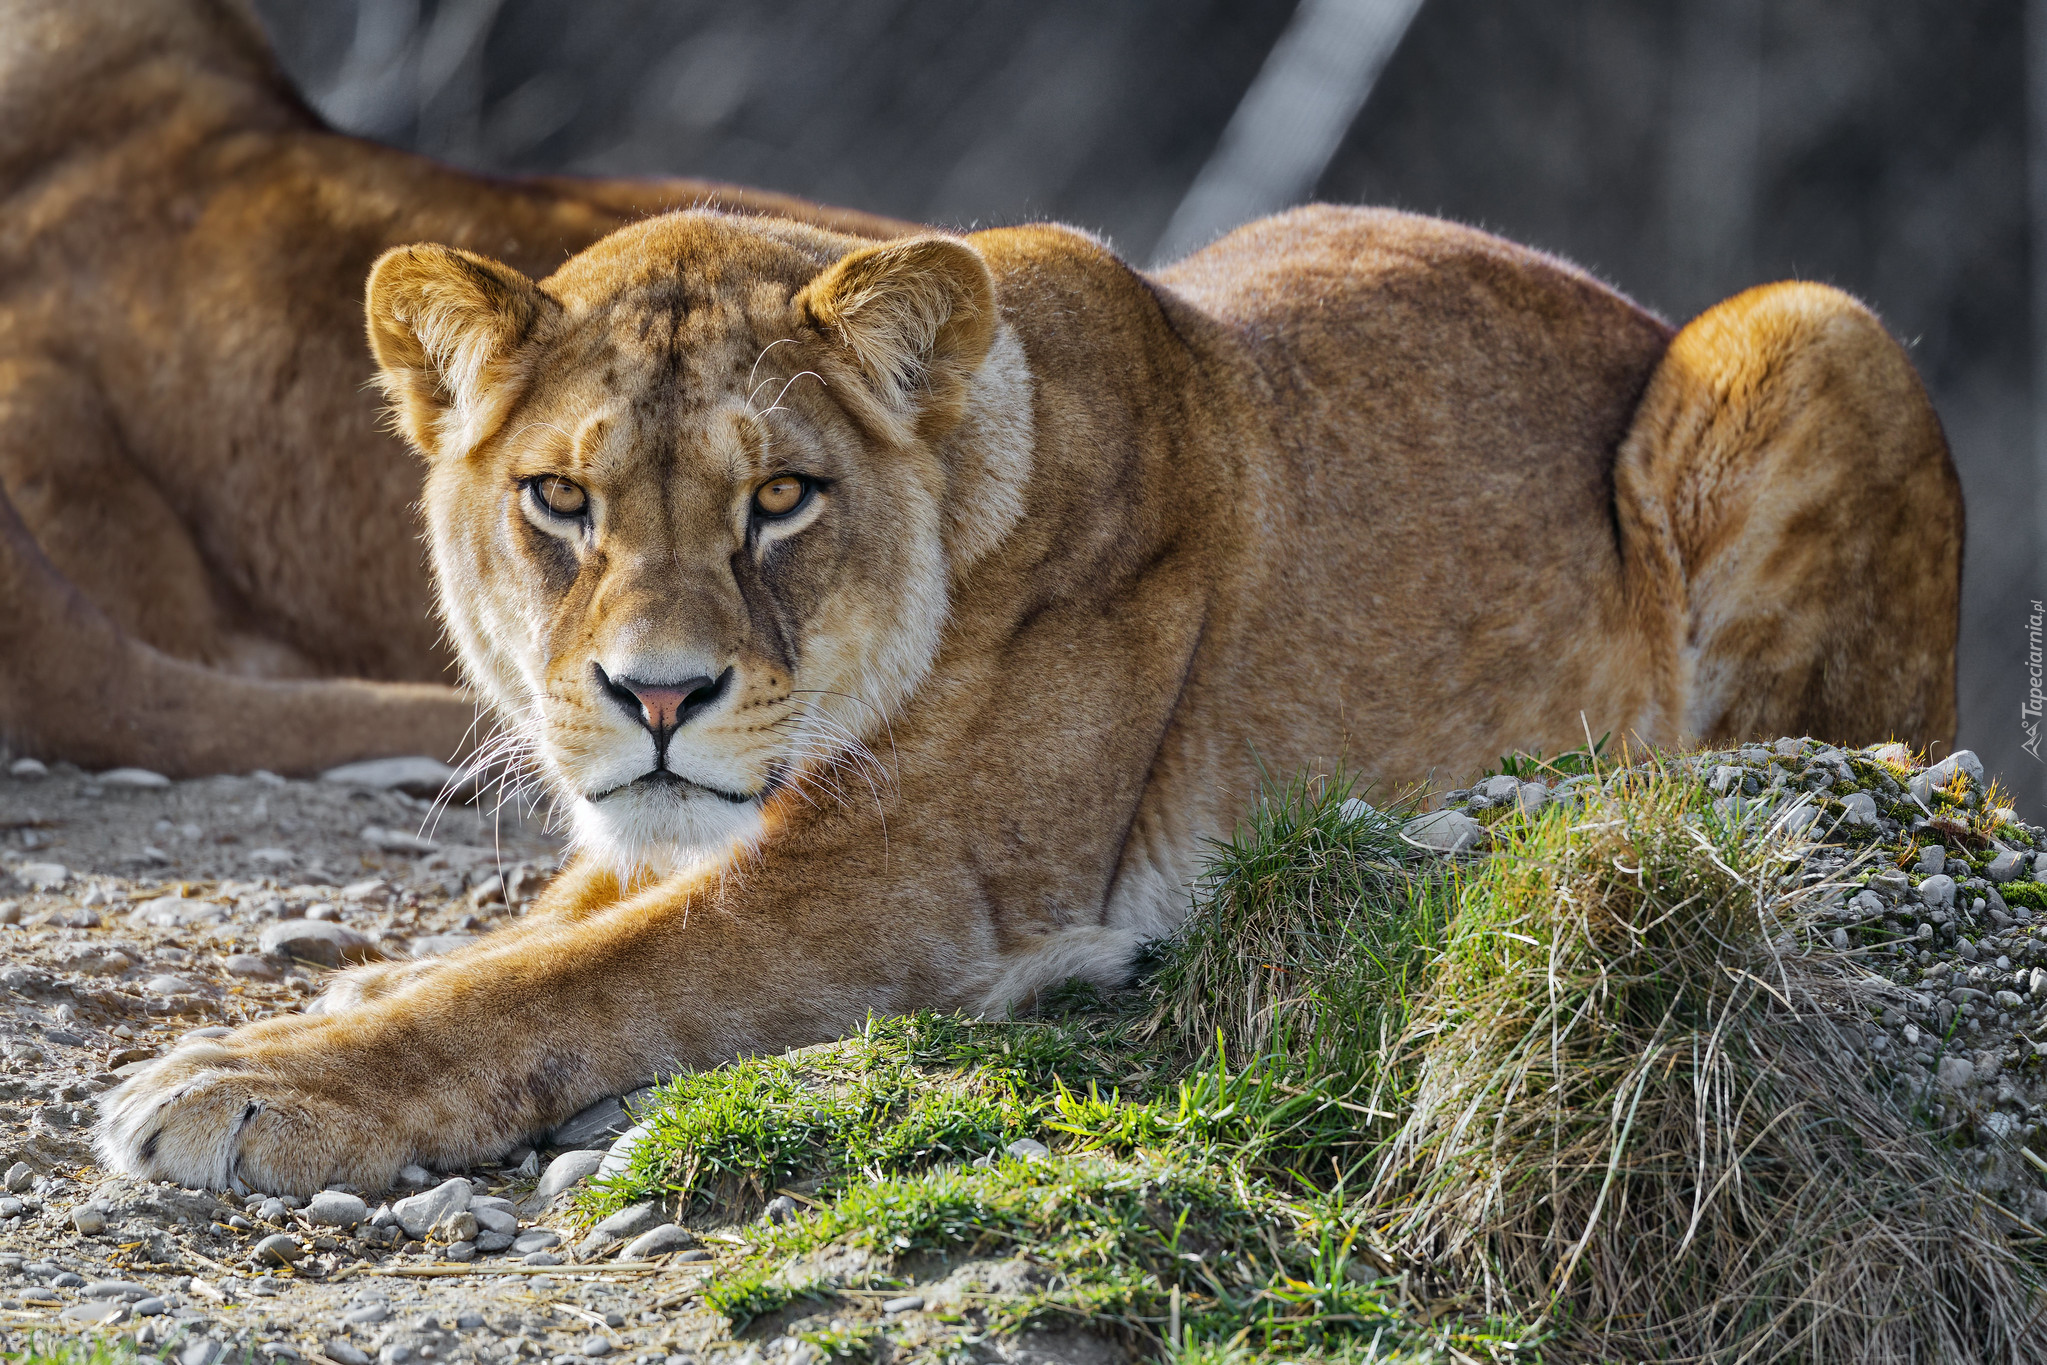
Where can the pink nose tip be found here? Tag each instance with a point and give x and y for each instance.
(662, 704)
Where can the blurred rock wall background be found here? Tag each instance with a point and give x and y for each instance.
(1681, 149)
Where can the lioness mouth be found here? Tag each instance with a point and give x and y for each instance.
(662, 778)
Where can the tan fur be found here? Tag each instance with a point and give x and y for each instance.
(202, 526)
(1091, 552)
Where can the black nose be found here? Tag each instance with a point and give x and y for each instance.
(664, 707)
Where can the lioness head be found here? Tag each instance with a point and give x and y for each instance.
(697, 501)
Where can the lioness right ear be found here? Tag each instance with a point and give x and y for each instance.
(446, 326)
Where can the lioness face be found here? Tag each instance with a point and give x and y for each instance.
(688, 537)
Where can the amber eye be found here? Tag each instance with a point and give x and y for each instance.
(559, 496)
(779, 496)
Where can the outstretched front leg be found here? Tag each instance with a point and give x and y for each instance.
(511, 1036)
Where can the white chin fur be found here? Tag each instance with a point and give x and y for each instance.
(662, 831)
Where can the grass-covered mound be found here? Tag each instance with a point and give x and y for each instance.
(1601, 1093)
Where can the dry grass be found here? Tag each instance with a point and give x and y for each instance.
(1635, 1116)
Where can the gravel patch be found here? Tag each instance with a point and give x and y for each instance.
(1932, 894)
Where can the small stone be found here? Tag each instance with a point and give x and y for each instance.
(457, 1226)
(698, 1255)
(1444, 831)
(29, 768)
(319, 942)
(1938, 891)
(2008, 1000)
(169, 983)
(1028, 1149)
(1956, 1072)
(420, 1213)
(250, 967)
(538, 1239)
(367, 1315)
(1839, 938)
(68, 1280)
(493, 1241)
(493, 1218)
(280, 1248)
(596, 1345)
(336, 1209)
(657, 1241)
(1354, 809)
(414, 1177)
(132, 777)
(271, 1210)
(173, 912)
(564, 1171)
(344, 1352)
(150, 1306)
(42, 876)
(200, 1351)
(114, 1289)
(1932, 859)
(2004, 867)
(96, 1314)
(540, 1258)
(415, 776)
(88, 1220)
(1859, 808)
(599, 1123)
(628, 1222)
(909, 1303)
(460, 1251)
(780, 1209)
(2036, 986)
(20, 1176)
(1531, 798)
(619, 1158)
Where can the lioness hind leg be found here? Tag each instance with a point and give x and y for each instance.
(1793, 525)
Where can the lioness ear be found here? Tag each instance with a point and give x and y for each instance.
(446, 326)
(918, 317)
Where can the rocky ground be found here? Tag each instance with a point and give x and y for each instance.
(1924, 880)
(135, 912)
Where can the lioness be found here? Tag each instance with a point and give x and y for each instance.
(896, 621)
(209, 558)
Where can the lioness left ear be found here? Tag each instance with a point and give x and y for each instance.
(445, 326)
(918, 317)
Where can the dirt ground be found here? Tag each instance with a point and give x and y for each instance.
(132, 912)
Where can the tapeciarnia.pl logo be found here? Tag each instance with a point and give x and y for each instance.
(2029, 714)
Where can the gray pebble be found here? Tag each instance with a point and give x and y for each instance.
(541, 1258)
(151, 1307)
(1932, 860)
(909, 1303)
(336, 1209)
(461, 1251)
(1938, 891)
(320, 942)
(493, 1241)
(657, 1241)
(1444, 831)
(539, 1239)
(596, 1345)
(368, 1313)
(564, 1171)
(280, 1247)
(419, 1213)
(88, 1220)
(346, 1353)
(780, 1209)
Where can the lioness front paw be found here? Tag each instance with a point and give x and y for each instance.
(218, 1115)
